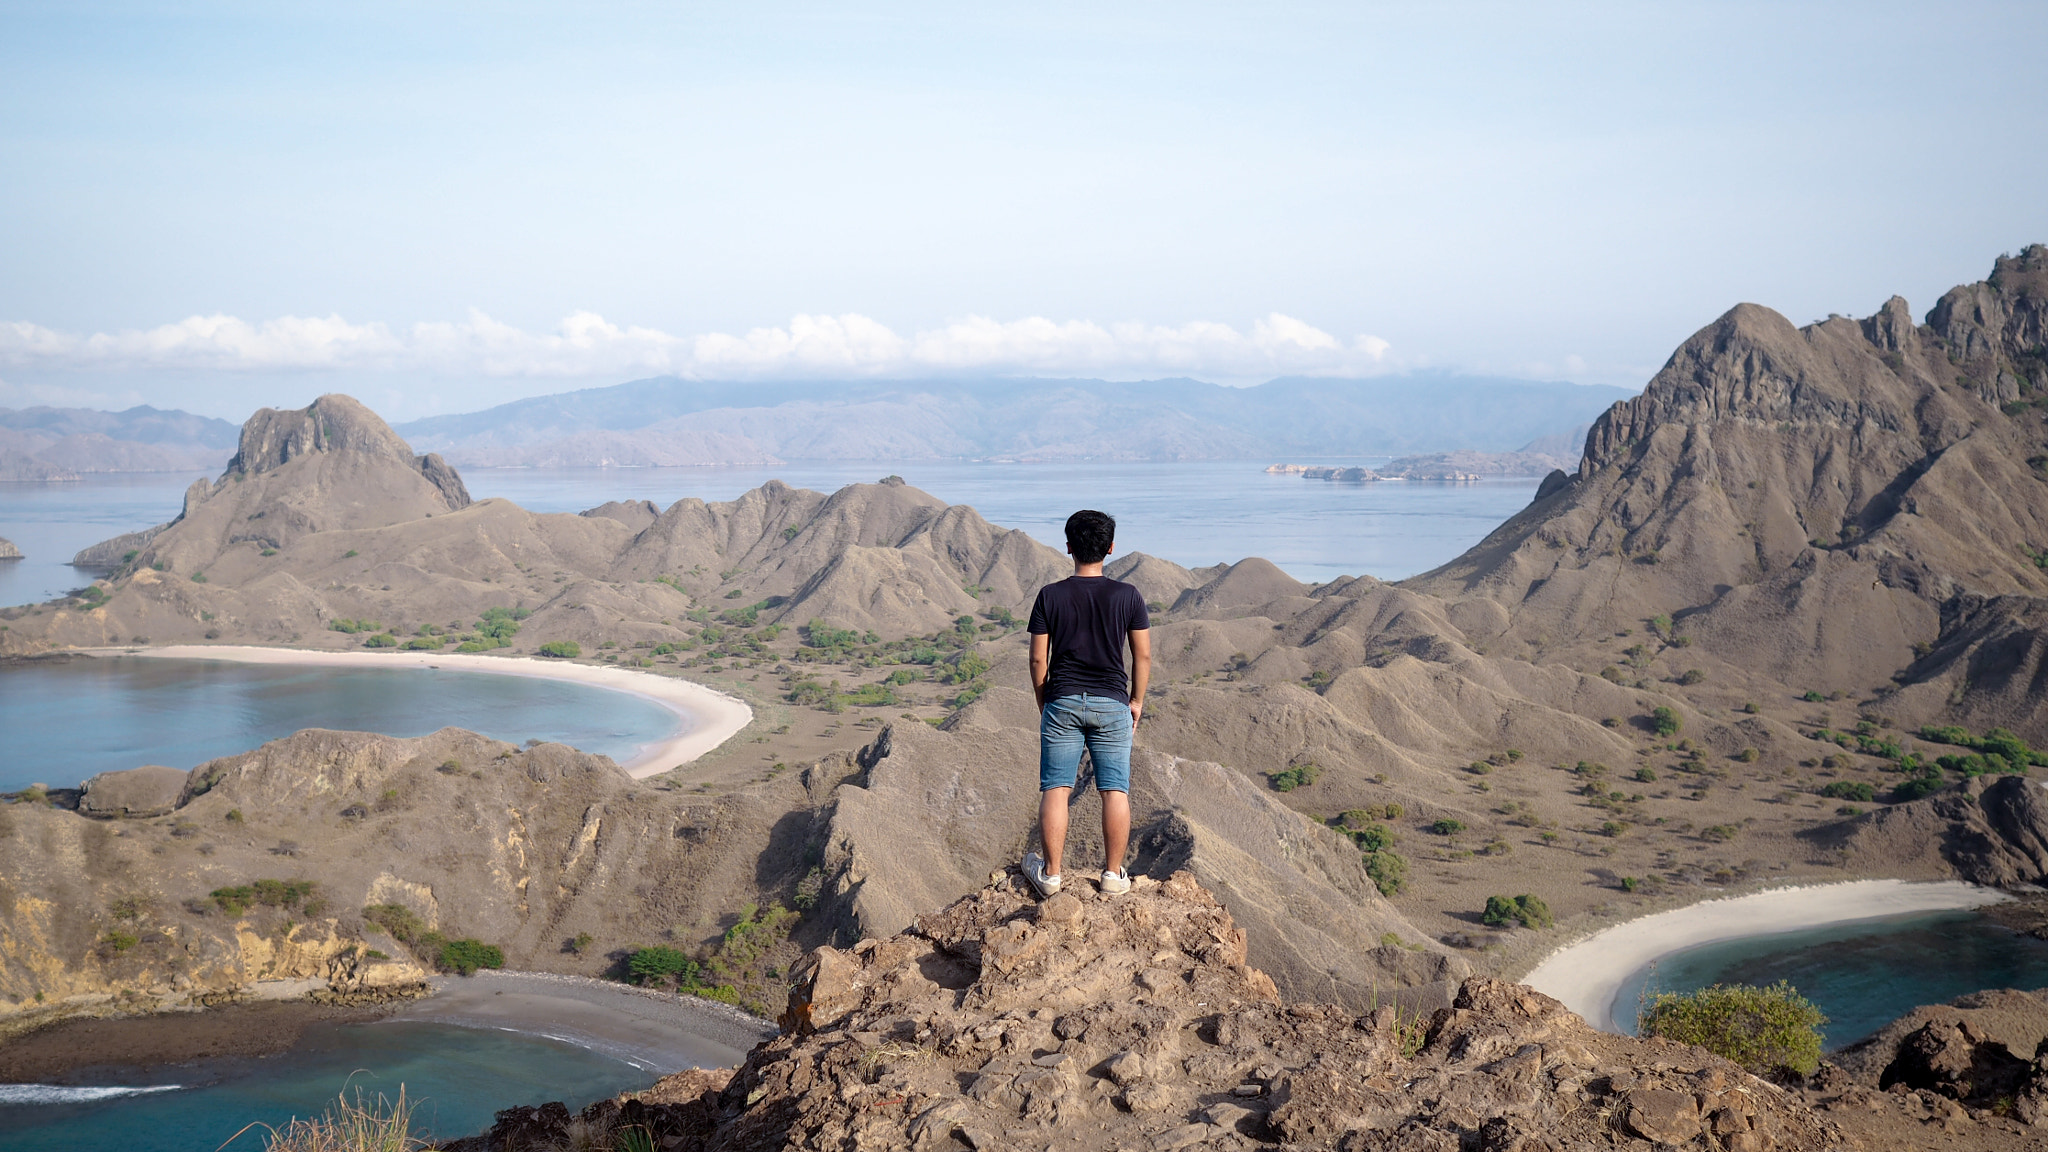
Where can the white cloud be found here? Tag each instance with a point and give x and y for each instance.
(587, 345)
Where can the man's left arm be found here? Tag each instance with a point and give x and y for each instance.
(1141, 669)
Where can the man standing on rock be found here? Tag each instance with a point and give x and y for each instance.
(1087, 698)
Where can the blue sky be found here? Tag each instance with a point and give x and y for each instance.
(435, 207)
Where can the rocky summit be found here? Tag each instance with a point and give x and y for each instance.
(1134, 1022)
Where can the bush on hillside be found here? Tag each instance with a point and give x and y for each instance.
(1389, 871)
(1665, 721)
(1849, 790)
(467, 955)
(381, 640)
(661, 963)
(562, 649)
(1766, 1030)
(1299, 776)
(1525, 910)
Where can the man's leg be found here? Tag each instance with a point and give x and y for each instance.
(1116, 829)
(1059, 759)
(1052, 825)
(1109, 746)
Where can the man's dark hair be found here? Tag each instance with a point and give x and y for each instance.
(1090, 534)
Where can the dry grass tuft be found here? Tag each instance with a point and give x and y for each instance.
(350, 1126)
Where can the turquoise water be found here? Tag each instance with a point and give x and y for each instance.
(1863, 974)
(66, 721)
(459, 1077)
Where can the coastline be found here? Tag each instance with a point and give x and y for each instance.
(709, 717)
(658, 1032)
(1587, 973)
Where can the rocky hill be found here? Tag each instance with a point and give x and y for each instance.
(1137, 1022)
(528, 848)
(8, 551)
(1854, 506)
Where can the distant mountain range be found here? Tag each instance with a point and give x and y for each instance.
(62, 443)
(669, 421)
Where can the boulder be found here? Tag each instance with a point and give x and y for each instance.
(7, 549)
(135, 793)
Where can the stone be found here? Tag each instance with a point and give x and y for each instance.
(151, 790)
(1181, 1137)
(1662, 1116)
(1125, 1068)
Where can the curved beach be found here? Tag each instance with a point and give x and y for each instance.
(1587, 974)
(709, 718)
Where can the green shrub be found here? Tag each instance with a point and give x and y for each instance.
(1665, 722)
(1525, 910)
(1374, 837)
(1918, 787)
(1646, 774)
(1849, 790)
(562, 649)
(1692, 676)
(1299, 776)
(1766, 1030)
(1389, 871)
(119, 940)
(381, 640)
(1447, 827)
(404, 925)
(1479, 768)
(465, 956)
(1811, 696)
(344, 624)
(423, 644)
(649, 965)
(350, 554)
(962, 668)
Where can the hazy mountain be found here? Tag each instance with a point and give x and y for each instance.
(667, 421)
(59, 443)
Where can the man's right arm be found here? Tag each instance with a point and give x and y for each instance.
(1041, 664)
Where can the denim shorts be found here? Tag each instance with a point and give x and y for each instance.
(1102, 725)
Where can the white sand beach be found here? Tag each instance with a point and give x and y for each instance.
(1588, 974)
(658, 1031)
(709, 718)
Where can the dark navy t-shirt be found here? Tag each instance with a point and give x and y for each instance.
(1089, 620)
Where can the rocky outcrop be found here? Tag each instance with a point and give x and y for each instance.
(1136, 1022)
(1988, 830)
(7, 549)
(110, 554)
(935, 812)
(151, 790)
(634, 514)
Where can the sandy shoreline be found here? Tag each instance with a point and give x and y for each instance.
(1586, 975)
(655, 1031)
(658, 1031)
(709, 718)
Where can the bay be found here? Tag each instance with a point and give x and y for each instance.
(67, 720)
(1194, 514)
(458, 1078)
(1863, 974)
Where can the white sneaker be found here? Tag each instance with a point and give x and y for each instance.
(1034, 871)
(1115, 883)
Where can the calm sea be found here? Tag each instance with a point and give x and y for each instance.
(459, 1077)
(67, 721)
(1193, 514)
(1863, 974)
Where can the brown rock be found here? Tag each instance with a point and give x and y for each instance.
(151, 790)
(1662, 1115)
